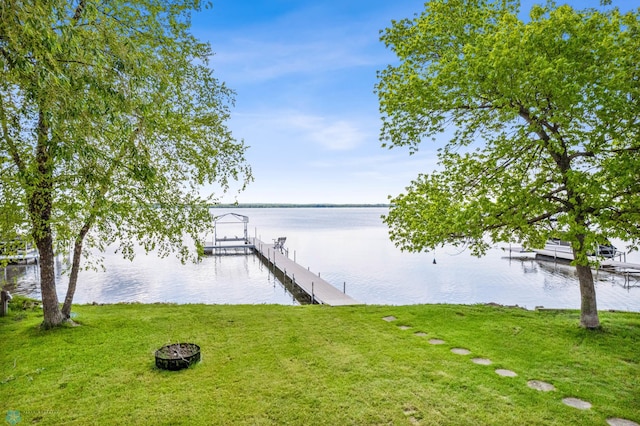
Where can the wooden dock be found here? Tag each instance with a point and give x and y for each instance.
(319, 290)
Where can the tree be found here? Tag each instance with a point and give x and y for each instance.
(545, 126)
(111, 125)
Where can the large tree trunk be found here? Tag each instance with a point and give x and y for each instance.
(588, 306)
(50, 306)
(40, 206)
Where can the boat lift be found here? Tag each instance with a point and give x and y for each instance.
(237, 243)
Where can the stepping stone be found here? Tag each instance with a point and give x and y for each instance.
(505, 373)
(481, 361)
(404, 327)
(389, 318)
(621, 422)
(420, 334)
(436, 341)
(577, 403)
(460, 351)
(541, 386)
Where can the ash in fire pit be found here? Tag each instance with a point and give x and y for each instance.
(177, 356)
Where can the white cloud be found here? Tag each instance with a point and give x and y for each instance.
(332, 134)
(329, 133)
(339, 135)
(259, 60)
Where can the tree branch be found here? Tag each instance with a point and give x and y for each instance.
(562, 161)
(581, 154)
(621, 150)
(540, 218)
(78, 13)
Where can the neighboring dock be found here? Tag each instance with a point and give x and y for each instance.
(620, 267)
(609, 265)
(319, 290)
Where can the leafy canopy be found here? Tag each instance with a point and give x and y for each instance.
(112, 120)
(545, 124)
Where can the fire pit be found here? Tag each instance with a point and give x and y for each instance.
(177, 356)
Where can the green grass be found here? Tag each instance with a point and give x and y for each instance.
(273, 365)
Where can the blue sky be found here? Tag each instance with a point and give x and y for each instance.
(304, 75)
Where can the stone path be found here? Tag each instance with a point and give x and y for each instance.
(533, 384)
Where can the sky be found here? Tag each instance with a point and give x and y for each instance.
(304, 74)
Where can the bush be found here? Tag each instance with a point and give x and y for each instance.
(24, 303)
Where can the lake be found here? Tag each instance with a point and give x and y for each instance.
(350, 248)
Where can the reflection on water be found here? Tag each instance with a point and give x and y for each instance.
(23, 278)
(216, 279)
(350, 248)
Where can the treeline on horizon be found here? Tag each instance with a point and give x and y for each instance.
(276, 205)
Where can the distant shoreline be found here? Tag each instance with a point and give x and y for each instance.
(275, 205)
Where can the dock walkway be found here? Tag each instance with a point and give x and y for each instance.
(320, 290)
(624, 267)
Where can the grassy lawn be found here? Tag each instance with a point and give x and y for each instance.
(273, 365)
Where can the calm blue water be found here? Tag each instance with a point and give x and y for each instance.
(350, 248)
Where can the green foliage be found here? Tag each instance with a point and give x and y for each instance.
(542, 121)
(111, 125)
(554, 100)
(319, 365)
(135, 118)
(23, 303)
